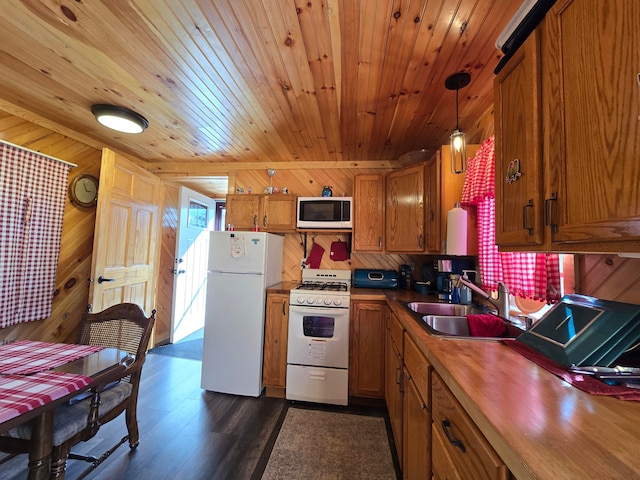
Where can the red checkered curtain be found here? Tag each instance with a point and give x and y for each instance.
(527, 275)
(32, 198)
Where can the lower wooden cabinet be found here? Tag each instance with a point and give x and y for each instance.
(366, 349)
(417, 413)
(460, 451)
(276, 330)
(393, 391)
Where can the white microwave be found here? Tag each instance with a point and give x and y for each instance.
(325, 212)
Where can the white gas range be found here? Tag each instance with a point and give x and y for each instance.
(318, 343)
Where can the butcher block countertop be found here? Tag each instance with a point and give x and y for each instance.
(542, 427)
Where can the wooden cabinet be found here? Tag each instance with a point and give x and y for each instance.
(571, 102)
(405, 214)
(242, 211)
(460, 451)
(444, 189)
(368, 213)
(393, 379)
(271, 213)
(276, 329)
(417, 413)
(519, 201)
(366, 350)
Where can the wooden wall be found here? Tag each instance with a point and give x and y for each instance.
(74, 263)
(609, 277)
(309, 182)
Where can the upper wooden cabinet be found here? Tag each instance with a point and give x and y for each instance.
(519, 200)
(271, 213)
(405, 215)
(444, 189)
(579, 177)
(368, 213)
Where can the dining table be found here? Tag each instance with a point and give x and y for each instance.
(36, 377)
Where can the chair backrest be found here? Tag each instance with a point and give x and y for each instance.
(124, 326)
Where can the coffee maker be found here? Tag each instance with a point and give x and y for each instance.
(443, 279)
(404, 280)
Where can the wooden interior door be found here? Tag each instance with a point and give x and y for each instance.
(126, 239)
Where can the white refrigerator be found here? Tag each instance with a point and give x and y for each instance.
(241, 267)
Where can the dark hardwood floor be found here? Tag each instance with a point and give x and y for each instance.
(185, 432)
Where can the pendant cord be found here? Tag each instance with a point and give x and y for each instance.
(457, 126)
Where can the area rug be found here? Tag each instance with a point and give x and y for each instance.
(315, 444)
(189, 347)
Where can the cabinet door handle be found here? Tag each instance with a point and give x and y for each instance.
(380, 243)
(101, 279)
(264, 222)
(255, 220)
(420, 241)
(547, 212)
(284, 307)
(453, 441)
(525, 218)
(397, 376)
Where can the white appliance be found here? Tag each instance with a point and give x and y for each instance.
(241, 266)
(325, 212)
(318, 343)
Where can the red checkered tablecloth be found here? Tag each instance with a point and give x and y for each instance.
(28, 356)
(22, 393)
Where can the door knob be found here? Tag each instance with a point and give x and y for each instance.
(102, 279)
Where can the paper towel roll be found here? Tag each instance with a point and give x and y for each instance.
(457, 231)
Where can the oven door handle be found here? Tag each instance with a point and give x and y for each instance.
(310, 310)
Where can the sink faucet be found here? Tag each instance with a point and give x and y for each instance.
(501, 303)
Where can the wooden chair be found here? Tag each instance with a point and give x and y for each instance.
(122, 326)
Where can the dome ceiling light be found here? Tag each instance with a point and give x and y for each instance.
(119, 118)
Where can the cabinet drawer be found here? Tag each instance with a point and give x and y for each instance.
(396, 332)
(478, 460)
(419, 369)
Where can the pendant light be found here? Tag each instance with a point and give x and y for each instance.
(458, 142)
(119, 118)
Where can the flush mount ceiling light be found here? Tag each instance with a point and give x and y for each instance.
(119, 118)
(458, 141)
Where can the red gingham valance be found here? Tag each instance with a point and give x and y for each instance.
(32, 198)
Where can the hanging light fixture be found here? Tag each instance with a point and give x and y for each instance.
(458, 142)
(119, 118)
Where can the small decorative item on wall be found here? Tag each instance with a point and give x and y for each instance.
(327, 192)
(513, 171)
(83, 190)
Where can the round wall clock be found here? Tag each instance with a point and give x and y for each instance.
(84, 190)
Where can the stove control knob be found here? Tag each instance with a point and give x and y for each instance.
(300, 299)
(337, 301)
(318, 300)
(310, 300)
(327, 301)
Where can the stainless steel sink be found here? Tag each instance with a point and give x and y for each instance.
(426, 308)
(449, 320)
(448, 324)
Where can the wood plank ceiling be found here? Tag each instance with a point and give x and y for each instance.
(228, 84)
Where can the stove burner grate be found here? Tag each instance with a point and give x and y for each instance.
(325, 286)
